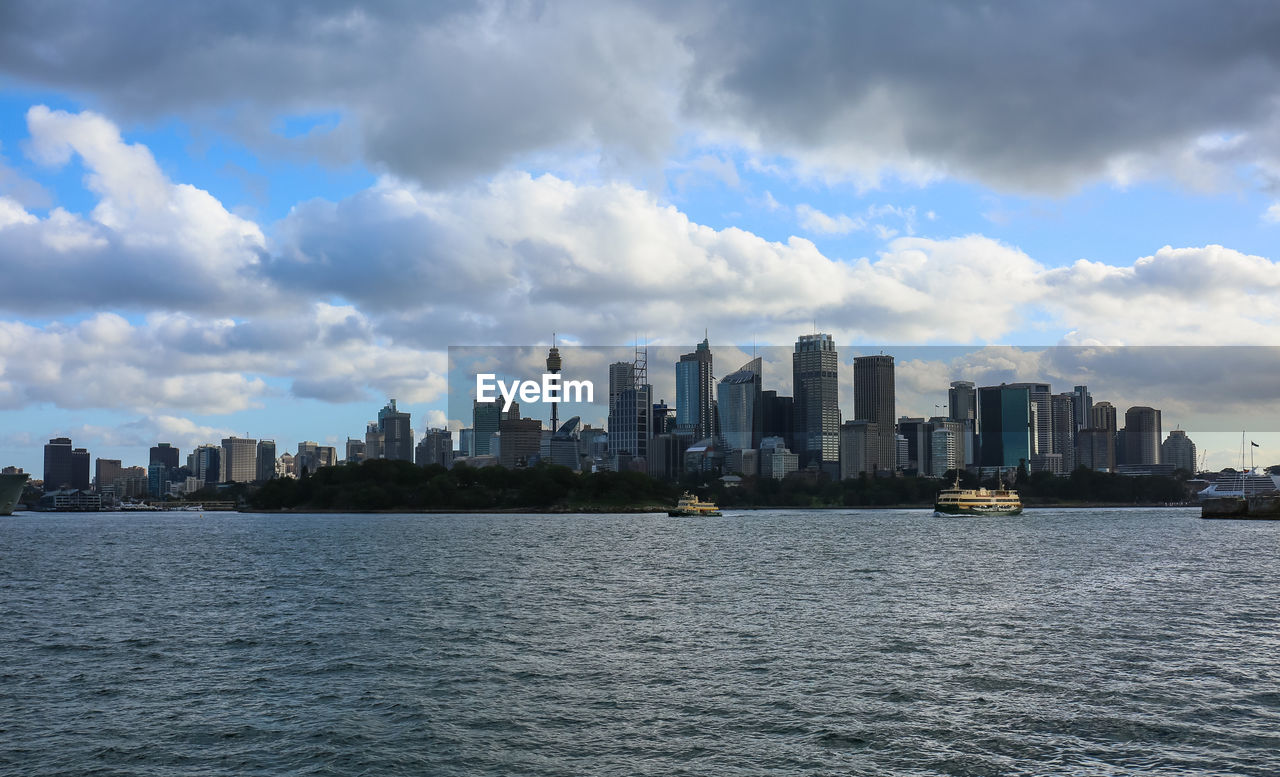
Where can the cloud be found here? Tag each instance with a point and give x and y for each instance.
(147, 243)
(814, 220)
(1019, 97)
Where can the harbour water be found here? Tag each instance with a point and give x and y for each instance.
(1101, 642)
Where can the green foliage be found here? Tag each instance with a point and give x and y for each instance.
(400, 485)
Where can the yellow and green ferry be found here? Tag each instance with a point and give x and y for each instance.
(977, 501)
(692, 505)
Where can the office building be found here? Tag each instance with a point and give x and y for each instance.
(776, 461)
(873, 400)
(105, 472)
(778, 416)
(207, 461)
(1004, 426)
(815, 381)
(1095, 449)
(694, 403)
(239, 460)
(266, 469)
(738, 402)
(630, 419)
(355, 450)
(396, 435)
(1062, 448)
(859, 448)
(436, 447)
(467, 442)
(484, 421)
(1081, 407)
(1141, 436)
(946, 452)
(164, 453)
(1179, 451)
(962, 401)
(57, 464)
(521, 441)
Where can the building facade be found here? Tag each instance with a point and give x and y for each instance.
(815, 381)
(874, 401)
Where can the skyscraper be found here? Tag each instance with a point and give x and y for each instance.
(266, 460)
(1141, 436)
(436, 447)
(1082, 407)
(208, 464)
(1063, 442)
(164, 453)
(1179, 451)
(397, 435)
(1004, 426)
(815, 380)
(485, 417)
(738, 401)
(961, 401)
(80, 469)
(239, 460)
(694, 379)
(553, 367)
(57, 464)
(873, 400)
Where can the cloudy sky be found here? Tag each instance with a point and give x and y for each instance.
(265, 218)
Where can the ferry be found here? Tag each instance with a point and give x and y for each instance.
(976, 501)
(692, 505)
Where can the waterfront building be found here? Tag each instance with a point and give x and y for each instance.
(1179, 451)
(1141, 436)
(815, 376)
(1062, 433)
(105, 472)
(778, 418)
(157, 479)
(915, 432)
(266, 469)
(738, 400)
(1095, 449)
(873, 400)
(436, 447)
(1004, 426)
(694, 404)
(521, 441)
(622, 375)
(57, 464)
(239, 460)
(373, 442)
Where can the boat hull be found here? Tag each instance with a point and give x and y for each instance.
(977, 510)
(692, 513)
(10, 492)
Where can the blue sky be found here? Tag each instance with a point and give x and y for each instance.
(224, 220)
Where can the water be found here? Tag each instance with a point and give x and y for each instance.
(793, 643)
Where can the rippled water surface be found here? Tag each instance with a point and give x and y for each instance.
(1061, 642)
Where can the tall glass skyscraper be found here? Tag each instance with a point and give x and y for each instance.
(873, 400)
(694, 409)
(1004, 426)
(815, 378)
(738, 401)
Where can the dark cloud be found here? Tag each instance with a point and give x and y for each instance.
(1032, 95)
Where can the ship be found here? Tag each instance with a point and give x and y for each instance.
(11, 491)
(692, 505)
(976, 501)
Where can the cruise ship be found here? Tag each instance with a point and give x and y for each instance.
(11, 491)
(1242, 484)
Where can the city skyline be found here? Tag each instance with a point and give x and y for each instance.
(216, 225)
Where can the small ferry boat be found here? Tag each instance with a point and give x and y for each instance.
(976, 501)
(692, 505)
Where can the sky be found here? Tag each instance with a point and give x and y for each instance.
(264, 219)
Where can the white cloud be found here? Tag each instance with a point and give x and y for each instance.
(1272, 214)
(814, 220)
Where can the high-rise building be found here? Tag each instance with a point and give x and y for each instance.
(1004, 426)
(962, 401)
(105, 472)
(164, 453)
(1179, 451)
(738, 402)
(397, 435)
(779, 416)
(521, 441)
(630, 422)
(266, 469)
(873, 400)
(484, 421)
(622, 375)
(208, 464)
(80, 469)
(239, 460)
(564, 445)
(466, 442)
(1081, 407)
(946, 452)
(1095, 449)
(374, 440)
(694, 380)
(815, 380)
(57, 464)
(1063, 433)
(859, 445)
(355, 450)
(436, 447)
(1141, 436)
